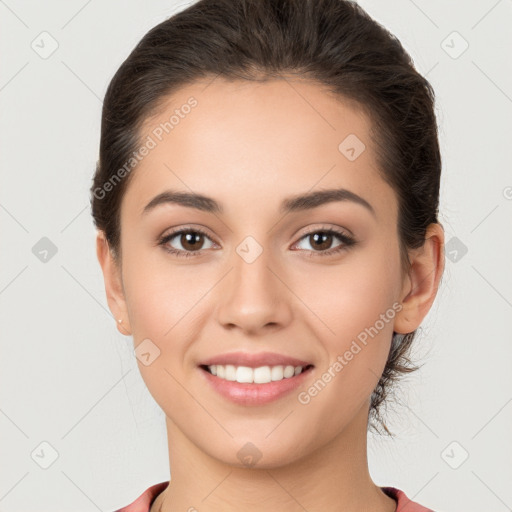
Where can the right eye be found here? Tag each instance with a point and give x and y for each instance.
(189, 239)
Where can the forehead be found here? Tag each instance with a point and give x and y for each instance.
(255, 142)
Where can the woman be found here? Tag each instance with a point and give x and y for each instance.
(266, 200)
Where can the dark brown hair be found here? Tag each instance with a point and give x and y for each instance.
(334, 43)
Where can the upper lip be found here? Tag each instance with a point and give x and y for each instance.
(254, 360)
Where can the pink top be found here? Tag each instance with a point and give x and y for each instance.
(145, 500)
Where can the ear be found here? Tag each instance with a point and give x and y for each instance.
(422, 282)
(113, 283)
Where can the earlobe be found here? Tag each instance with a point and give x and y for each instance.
(422, 282)
(121, 329)
(113, 284)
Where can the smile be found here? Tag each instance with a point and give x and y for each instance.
(260, 375)
(258, 386)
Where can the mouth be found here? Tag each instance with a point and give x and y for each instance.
(255, 386)
(259, 375)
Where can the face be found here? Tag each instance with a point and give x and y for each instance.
(316, 281)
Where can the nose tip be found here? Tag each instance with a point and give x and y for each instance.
(252, 297)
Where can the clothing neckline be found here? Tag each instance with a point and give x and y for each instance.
(144, 502)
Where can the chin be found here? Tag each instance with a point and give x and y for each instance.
(258, 453)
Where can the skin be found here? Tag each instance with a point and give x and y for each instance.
(250, 145)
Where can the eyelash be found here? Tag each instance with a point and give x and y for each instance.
(348, 241)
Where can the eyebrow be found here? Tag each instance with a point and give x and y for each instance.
(296, 203)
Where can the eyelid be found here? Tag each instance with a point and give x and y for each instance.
(328, 227)
(189, 227)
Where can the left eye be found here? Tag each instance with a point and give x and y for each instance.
(323, 241)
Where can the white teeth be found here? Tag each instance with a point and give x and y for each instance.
(289, 371)
(277, 373)
(260, 375)
(244, 374)
(230, 372)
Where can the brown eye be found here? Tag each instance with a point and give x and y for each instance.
(321, 242)
(189, 241)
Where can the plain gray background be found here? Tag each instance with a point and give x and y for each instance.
(70, 386)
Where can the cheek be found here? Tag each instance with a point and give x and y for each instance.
(164, 303)
(350, 297)
(355, 304)
(158, 294)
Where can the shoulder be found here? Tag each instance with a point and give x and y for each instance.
(404, 504)
(144, 501)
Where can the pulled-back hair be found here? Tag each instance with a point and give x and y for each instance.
(334, 43)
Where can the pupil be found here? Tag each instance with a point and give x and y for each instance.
(322, 235)
(191, 238)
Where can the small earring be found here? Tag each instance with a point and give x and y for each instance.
(120, 320)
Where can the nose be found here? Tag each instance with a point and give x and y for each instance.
(253, 297)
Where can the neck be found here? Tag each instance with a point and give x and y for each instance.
(335, 477)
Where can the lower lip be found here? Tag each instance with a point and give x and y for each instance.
(255, 394)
